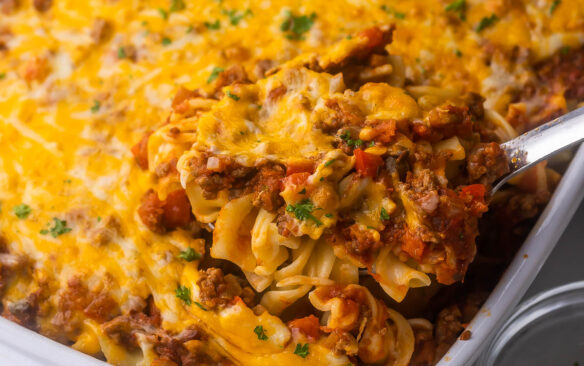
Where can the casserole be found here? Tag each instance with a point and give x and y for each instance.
(207, 245)
(15, 341)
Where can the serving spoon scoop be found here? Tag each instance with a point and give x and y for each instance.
(538, 144)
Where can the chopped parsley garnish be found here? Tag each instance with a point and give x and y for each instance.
(301, 350)
(189, 29)
(260, 332)
(200, 306)
(487, 22)
(177, 5)
(295, 26)
(98, 218)
(383, 214)
(163, 13)
(189, 255)
(565, 50)
(122, 53)
(166, 41)
(22, 211)
(302, 210)
(2, 75)
(555, 5)
(329, 215)
(458, 7)
(303, 191)
(393, 12)
(346, 136)
(213, 26)
(59, 228)
(235, 16)
(184, 293)
(214, 74)
(330, 162)
(458, 53)
(231, 95)
(96, 106)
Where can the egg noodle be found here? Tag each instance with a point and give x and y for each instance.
(222, 182)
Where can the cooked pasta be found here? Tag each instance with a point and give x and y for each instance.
(269, 182)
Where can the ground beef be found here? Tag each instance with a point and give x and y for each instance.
(564, 73)
(217, 291)
(23, 311)
(342, 114)
(448, 328)
(8, 6)
(42, 5)
(151, 211)
(101, 30)
(266, 187)
(160, 216)
(486, 163)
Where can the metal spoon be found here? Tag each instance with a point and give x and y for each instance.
(538, 144)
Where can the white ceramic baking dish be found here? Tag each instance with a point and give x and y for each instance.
(22, 347)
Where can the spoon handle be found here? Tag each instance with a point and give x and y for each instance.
(538, 144)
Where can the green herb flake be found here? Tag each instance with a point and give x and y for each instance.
(122, 53)
(458, 7)
(461, 235)
(391, 11)
(349, 141)
(215, 74)
(96, 106)
(261, 333)
(213, 26)
(166, 41)
(177, 5)
(184, 293)
(98, 218)
(163, 13)
(458, 53)
(2, 75)
(303, 191)
(189, 255)
(330, 162)
(565, 50)
(232, 96)
(189, 29)
(329, 215)
(200, 306)
(383, 214)
(487, 22)
(555, 5)
(22, 211)
(59, 228)
(302, 211)
(235, 16)
(301, 350)
(295, 26)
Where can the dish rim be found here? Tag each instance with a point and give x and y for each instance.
(522, 270)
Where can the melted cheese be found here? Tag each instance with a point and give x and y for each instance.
(70, 109)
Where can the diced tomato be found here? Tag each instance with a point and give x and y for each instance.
(177, 209)
(376, 37)
(308, 327)
(412, 245)
(305, 166)
(367, 164)
(140, 151)
(474, 198)
(476, 190)
(295, 180)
